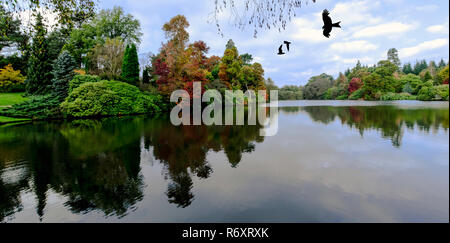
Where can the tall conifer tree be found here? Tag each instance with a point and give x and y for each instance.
(39, 66)
(130, 67)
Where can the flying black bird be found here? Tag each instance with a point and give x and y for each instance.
(280, 50)
(287, 44)
(328, 24)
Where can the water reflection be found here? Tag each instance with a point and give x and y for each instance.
(96, 165)
(390, 121)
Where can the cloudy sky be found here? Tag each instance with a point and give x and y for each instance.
(418, 29)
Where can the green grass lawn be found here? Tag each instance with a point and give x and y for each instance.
(8, 99)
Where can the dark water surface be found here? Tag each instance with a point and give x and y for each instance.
(329, 162)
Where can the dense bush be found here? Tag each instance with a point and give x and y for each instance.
(358, 94)
(342, 97)
(397, 96)
(11, 80)
(441, 92)
(106, 98)
(78, 80)
(290, 92)
(331, 93)
(411, 83)
(427, 93)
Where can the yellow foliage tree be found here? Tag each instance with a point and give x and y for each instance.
(11, 80)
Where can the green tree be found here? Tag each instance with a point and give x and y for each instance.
(39, 67)
(246, 58)
(9, 28)
(411, 83)
(407, 69)
(381, 81)
(230, 44)
(69, 12)
(113, 23)
(130, 66)
(419, 67)
(107, 24)
(317, 87)
(441, 63)
(145, 76)
(56, 41)
(230, 67)
(427, 76)
(63, 74)
(392, 56)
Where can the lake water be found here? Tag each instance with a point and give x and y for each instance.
(330, 162)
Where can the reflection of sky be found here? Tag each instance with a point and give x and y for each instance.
(308, 172)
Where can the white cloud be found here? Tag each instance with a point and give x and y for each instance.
(383, 29)
(353, 46)
(355, 12)
(428, 8)
(364, 60)
(424, 46)
(436, 28)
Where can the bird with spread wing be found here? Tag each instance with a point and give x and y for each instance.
(328, 23)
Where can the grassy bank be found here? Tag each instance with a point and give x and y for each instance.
(7, 100)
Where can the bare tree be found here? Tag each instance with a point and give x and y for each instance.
(260, 14)
(106, 59)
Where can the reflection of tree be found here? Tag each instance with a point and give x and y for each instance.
(179, 190)
(10, 197)
(183, 150)
(389, 120)
(95, 164)
(290, 109)
(69, 159)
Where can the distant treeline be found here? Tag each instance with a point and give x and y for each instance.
(387, 80)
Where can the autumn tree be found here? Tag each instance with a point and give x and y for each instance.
(11, 80)
(169, 65)
(230, 67)
(355, 84)
(443, 75)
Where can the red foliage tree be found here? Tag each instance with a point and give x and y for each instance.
(355, 84)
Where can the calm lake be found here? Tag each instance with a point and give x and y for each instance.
(331, 161)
